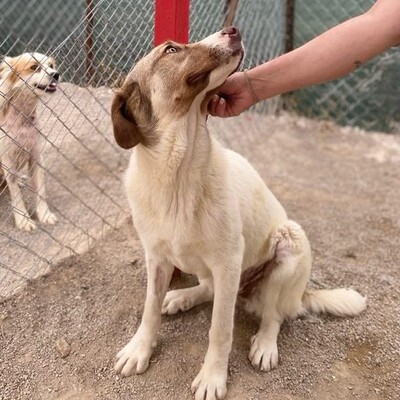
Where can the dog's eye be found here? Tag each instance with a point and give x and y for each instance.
(35, 67)
(170, 49)
(51, 66)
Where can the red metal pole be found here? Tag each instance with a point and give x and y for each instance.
(171, 21)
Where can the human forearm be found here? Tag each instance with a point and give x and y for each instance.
(331, 55)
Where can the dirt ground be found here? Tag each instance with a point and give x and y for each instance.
(341, 184)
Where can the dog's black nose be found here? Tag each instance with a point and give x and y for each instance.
(55, 76)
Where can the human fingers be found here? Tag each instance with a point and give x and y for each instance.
(220, 107)
(212, 105)
(217, 106)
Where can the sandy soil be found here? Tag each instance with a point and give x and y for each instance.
(342, 185)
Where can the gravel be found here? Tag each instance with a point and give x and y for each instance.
(340, 184)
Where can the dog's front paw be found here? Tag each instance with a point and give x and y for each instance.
(135, 356)
(48, 218)
(26, 224)
(263, 353)
(210, 384)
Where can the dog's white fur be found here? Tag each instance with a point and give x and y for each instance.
(204, 209)
(23, 79)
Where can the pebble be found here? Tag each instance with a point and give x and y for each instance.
(63, 347)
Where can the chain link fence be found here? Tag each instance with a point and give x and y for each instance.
(95, 43)
(369, 97)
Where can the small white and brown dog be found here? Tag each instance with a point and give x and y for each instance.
(204, 209)
(23, 80)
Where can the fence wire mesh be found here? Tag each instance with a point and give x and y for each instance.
(368, 97)
(95, 43)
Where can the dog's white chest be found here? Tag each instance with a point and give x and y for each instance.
(21, 147)
(173, 239)
(188, 258)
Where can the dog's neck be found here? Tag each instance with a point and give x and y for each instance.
(177, 169)
(183, 151)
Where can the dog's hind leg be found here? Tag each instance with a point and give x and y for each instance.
(185, 299)
(280, 294)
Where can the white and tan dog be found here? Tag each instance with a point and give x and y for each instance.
(23, 79)
(205, 210)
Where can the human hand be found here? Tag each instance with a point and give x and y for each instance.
(233, 97)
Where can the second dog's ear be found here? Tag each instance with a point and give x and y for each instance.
(3, 67)
(126, 116)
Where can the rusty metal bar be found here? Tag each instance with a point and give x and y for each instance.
(89, 41)
(289, 31)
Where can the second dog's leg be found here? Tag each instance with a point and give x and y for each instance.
(21, 216)
(135, 356)
(185, 299)
(281, 292)
(42, 209)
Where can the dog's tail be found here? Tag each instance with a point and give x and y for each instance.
(340, 302)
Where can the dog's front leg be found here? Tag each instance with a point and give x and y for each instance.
(42, 209)
(21, 216)
(210, 383)
(135, 356)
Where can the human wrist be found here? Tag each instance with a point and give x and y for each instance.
(250, 87)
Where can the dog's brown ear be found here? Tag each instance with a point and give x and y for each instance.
(126, 131)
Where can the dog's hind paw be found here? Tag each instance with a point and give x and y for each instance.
(263, 353)
(175, 301)
(185, 299)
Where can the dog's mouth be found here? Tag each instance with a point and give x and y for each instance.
(203, 75)
(236, 53)
(51, 87)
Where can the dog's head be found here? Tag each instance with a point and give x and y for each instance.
(171, 80)
(34, 72)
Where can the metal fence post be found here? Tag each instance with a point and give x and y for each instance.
(89, 41)
(289, 29)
